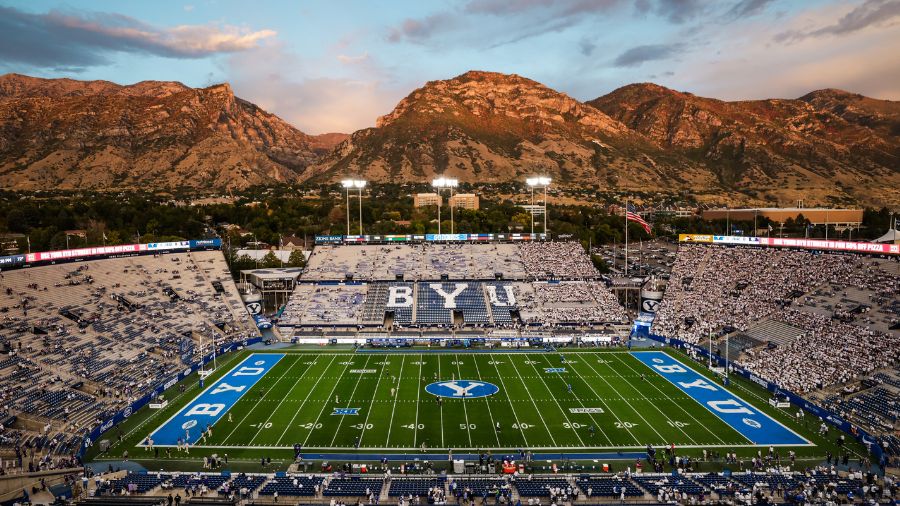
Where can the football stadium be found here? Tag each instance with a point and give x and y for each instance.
(495, 367)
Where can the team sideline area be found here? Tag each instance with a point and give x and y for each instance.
(501, 371)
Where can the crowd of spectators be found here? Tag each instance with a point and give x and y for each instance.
(715, 290)
(578, 303)
(556, 260)
(829, 352)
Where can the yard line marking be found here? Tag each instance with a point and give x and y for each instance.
(688, 413)
(259, 429)
(258, 403)
(488, 404)
(638, 413)
(536, 408)
(465, 409)
(599, 426)
(394, 407)
(418, 392)
(441, 405)
(311, 390)
(369, 412)
(341, 421)
(513, 408)
(324, 404)
(557, 404)
(641, 392)
(636, 440)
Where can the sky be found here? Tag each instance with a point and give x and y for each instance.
(335, 66)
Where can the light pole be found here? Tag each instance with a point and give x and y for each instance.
(539, 182)
(359, 184)
(347, 184)
(439, 184)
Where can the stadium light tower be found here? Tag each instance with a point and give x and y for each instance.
(359, 184)
(439, 184)
(538, 182)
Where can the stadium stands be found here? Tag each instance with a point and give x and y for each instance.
(305, 486)
(769, 295)
(417, 487)
(351, 487)
(88, 338)
(607, 486)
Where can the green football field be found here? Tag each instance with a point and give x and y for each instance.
(615, 402)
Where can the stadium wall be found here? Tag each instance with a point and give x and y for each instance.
(871, 443)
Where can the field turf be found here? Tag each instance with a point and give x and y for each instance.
(627, 404)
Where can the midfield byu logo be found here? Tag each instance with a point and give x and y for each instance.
(462, 389)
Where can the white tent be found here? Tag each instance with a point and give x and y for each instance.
(892, 236)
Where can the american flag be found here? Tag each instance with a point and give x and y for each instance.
(632, 215)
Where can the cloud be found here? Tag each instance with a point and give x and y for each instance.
(746, 65)
(676, 11)
(639, 54)
(869, 13)
(61, 40)
(586, 46)
(747, 8)
(350, 60)
(512, 20)
(419, 30)
(282, 82)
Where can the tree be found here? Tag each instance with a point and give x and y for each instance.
(297, 259)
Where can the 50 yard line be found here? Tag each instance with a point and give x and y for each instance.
(486, 401)
(465, 409)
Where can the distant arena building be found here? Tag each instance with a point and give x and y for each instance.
(427, 199)
(464, 200)
(816, 215)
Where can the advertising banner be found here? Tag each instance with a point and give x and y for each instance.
(694, 238)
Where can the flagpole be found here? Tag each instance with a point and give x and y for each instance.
(626, 238)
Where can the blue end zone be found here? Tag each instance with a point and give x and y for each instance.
(753, 424)
(212, 404)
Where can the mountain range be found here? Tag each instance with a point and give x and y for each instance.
(828, 147)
